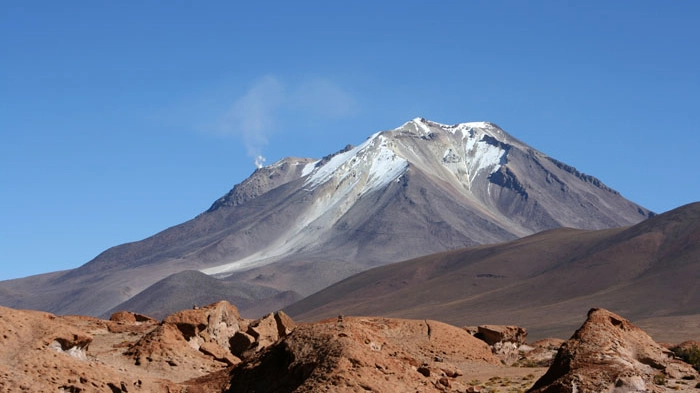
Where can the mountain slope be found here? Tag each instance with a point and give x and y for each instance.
(543, 281)
(303, 224)
(190, 287)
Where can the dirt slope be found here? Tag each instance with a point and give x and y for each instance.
(544, 282)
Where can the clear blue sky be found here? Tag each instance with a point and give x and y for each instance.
(120, 119)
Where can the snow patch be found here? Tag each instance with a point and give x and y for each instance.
(329, 169)
(345, 178)
(308, 168)
(386, 167)
(420, 122)
(383, 165)
(481, 156)
(476, 124)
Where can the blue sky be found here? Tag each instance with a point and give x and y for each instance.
(120, 119)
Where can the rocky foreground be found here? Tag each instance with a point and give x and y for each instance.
(213, 349)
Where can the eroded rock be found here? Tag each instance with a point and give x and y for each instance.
(608, 354)
(493, 334)
(240, 343)
(363, 354)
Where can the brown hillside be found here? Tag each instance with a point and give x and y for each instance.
(649, 272)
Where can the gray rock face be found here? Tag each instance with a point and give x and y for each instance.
(299, 225)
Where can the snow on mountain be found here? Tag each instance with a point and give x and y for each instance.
(468, 149)
(461, 157)
(374, 157)
(383, 158)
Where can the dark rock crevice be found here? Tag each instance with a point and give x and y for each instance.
(505, 178)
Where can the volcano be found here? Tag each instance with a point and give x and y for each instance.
(299, 225)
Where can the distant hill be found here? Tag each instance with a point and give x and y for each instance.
(649, 272)
(190, 288)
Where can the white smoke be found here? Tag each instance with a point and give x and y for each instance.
(259, 161)
(253, 115)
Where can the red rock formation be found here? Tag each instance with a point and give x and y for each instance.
(211, 349)
(364, 354)
(493, 334)
(609, 354)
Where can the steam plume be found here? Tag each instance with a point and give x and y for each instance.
(260, 161)
(253, 115)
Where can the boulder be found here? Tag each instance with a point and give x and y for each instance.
(223, 321)
(219, 353)
(188, 322)
(217, 322)
(161, 344)
(241, 342)
(507, 351)
(493, 334)
(264, 330)
(130, 317)
(285, 324)
(207, 330)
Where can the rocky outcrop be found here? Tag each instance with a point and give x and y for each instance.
(260, 334)
(241, 342)
(264, 330)
(505, 341)
(45, 353)
(212, 349)
(217, 323)
(609, 354)
(217, 331)
(508, 343)
(130, 317)
(541, 353)
(261, 181)
(187, 351)
(285, 324)
(126, 321)
(493, 334)
(364, 354)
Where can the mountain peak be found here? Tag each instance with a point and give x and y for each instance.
(265, 179)
(475, 129)
(472, 124)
